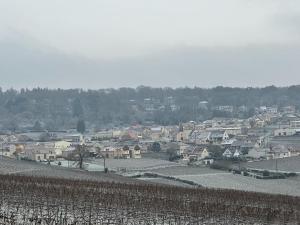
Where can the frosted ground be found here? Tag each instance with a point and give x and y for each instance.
(143, 164)
(291, 164)
(222, 179)
(205, 177)
(20, 167)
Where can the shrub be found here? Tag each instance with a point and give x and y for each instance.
(266, 173)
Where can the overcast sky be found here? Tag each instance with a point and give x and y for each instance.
(113, 43)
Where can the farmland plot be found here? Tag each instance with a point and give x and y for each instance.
(222, 179)
(36, 200)
(289, 164)
(11, 166)
(143, 164)
(238, 182)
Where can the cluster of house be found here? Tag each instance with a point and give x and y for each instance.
(278, 151)
(189, 153)
(248, 139)
(64, 146)
(238, 149)
(236, 137)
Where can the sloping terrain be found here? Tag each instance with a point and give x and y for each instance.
(36, 200)
(20, 167)
(212, 178)
(290, 164)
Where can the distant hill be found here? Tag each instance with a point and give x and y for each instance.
(61, 109)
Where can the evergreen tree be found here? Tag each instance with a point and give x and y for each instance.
(77, 108)
(37, 126)
(81, 126)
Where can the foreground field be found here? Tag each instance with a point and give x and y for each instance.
(202, 176)
(36, 200)
(211, 178)
(11, 166)
(290, 164)
(143, 164)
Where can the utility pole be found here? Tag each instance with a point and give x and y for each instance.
(104, 163)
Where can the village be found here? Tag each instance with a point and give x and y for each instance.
(271, 133)
(149, 112)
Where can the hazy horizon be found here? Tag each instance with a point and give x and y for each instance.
(113, 44)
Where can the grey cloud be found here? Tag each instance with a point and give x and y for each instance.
(287, 22)
(23, 65)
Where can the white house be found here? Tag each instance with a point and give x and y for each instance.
(40, 153)
(61, 146)
(218, 136)
(228, 142)
(279, 152)
(7, 150)
(236, 154)
(135, 152)
(227, 153)
(199, 136)
(284, 132)
(204, 154)
(208, 161)
(257, 153)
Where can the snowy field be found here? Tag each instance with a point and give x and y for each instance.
(11, 166)
(221, 179)
(143, 164)
(203, 176)
(44, 201)
(231, 181)
(185, 170)
(291, 164)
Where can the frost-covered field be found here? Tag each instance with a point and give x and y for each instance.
(11, 166)
(221, 179)
(203, 176)
(36, 200)
(186, 170)
(238, 182)
(142, 164)
(291, 164)
(54, 195)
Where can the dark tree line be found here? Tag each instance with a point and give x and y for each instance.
(58, 109)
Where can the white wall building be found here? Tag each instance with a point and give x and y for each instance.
(284, 132)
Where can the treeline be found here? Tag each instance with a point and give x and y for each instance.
(60, 109)
(32, 200)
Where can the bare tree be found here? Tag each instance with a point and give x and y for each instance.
(80, 154)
